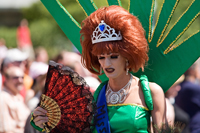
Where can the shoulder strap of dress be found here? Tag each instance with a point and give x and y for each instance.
(146, 91)
(96, 93)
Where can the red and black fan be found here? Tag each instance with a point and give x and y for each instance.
(68, 101)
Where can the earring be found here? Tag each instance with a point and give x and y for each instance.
(127, 69)
(100, 70)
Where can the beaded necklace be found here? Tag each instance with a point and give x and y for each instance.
(119, 96)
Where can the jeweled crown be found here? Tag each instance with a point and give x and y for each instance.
(104, 32)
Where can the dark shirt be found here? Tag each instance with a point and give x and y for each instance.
(189, 100)
(195, 124)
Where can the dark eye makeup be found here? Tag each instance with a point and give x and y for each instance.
(112, 56)
(101, 57)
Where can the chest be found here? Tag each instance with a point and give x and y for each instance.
(16, 108)
(136, 96)
(128, 118)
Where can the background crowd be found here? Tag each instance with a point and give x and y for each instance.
(22, 79)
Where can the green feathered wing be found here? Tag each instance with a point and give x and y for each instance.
(168, 58)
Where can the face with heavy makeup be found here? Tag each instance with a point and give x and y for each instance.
(113, 65)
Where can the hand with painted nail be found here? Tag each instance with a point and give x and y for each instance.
(40, 117)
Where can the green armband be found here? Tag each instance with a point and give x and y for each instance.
(34, 126)
(146, 91)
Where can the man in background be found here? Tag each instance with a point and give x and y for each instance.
(189, 96)
(177, 117)
(15, 57)
(13, 111)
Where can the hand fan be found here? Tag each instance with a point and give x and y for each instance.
(67, 100)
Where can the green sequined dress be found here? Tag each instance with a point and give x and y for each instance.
(129, 118)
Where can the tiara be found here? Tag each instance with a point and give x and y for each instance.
(104, 32)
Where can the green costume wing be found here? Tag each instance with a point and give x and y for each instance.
(64, 20)
(168, 60)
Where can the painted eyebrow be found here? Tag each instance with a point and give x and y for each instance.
(109, 54)
(114, 53)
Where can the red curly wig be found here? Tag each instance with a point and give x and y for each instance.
(133, 46)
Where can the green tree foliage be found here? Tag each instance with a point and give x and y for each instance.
(45, 31)
(9, 34)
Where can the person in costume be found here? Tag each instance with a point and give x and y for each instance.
(113, 41)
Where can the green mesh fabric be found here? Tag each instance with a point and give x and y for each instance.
(141, 9)
(167, 62)
(166, 68)
(88, 6)
(114, 2)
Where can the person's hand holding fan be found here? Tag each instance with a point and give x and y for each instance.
(67, 100)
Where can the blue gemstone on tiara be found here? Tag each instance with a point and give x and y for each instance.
(104, 32)
(102, 27)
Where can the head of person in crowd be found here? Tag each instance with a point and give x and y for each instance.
(193, 73)
(172, 92)
(2, 42)
(24, 22)
(14, 79)
(72, 60)
(37, 69)
(41, 55)
(14, 57)
(67, 59)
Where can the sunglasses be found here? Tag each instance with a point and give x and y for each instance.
(17, 77)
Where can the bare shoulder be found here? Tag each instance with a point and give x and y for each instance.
(155, 89)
